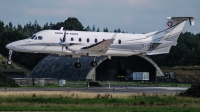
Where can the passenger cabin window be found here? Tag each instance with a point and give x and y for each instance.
(40, 37)
(119, 41)
(88, 40)
(79, 39)
(72, 39)
(95, 40)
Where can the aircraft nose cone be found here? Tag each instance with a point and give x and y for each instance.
(8, 46)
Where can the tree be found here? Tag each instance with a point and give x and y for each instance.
(98, 29)
(71, 23)
(105, 30)
(88, 28)
(1, 28)
(118, 30)
(19, 28)
(93, 28)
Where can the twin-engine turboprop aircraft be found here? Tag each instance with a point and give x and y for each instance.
(79, 43)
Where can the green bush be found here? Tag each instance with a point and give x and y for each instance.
(193, 91)
(8, 82)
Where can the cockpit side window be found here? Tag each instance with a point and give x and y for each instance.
(33, 36)
(40, 37)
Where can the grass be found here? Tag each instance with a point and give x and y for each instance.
(160, 84)
(80, 84)
(4, 65)
(82, 101)
(68, 84)
(197, 67)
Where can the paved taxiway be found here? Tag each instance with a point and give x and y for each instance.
(148, 90)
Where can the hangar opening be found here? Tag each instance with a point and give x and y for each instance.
(121, 68)
(114, 69)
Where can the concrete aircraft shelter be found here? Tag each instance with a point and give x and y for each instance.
(114, 69)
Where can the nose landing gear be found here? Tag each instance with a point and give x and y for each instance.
(9, 62)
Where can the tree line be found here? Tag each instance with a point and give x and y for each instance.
(10, 33)
(187, 51)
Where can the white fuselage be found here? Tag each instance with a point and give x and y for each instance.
(78, 43)
(47, 41)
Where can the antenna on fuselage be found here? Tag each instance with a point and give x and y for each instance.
(61, 28)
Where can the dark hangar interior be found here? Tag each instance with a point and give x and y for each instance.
(114, 69)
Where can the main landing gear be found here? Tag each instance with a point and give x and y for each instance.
(78, 64)
(9, 62)
(94, 63)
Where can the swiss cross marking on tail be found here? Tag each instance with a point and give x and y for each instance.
(169, 23)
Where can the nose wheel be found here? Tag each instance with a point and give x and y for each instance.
(9, 62)
(77, 64)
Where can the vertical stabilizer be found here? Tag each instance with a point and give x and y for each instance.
(168, 35)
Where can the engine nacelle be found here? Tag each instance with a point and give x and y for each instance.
(75, 48)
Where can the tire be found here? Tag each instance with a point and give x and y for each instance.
(94, 64)
(9, 62)
(77, 65)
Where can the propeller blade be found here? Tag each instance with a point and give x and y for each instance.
(62, 42)
(62, 51)
(64, 36)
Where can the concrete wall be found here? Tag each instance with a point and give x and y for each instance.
(35, 81)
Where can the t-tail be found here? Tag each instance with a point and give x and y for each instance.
(165, 38)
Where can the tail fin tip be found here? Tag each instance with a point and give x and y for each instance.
(191, 19)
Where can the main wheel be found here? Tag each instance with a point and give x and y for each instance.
(77, 65)
(9, 62)
(94, 64)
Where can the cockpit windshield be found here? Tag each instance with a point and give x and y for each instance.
(33, 36)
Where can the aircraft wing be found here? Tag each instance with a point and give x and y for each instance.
(98, 48)
(100, 45)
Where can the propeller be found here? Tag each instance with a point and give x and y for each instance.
(62, 41)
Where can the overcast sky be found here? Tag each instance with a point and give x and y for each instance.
(139, 16)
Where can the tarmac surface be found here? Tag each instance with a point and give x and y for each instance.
(121, 90)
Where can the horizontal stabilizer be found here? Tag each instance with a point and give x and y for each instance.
(159, 51)
(162, 44)
(191, 19)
